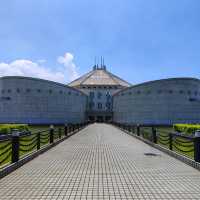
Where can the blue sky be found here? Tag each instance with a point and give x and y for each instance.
(141, 40)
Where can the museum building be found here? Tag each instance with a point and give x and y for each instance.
(99, 96)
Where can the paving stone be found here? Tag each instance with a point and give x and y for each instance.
(102, 162)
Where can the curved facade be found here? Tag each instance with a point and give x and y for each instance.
(99, 96)
(167, 101)
(36, 101)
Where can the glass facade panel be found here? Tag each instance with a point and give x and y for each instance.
(99, 105)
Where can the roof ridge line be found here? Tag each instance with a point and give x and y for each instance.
(89, 75)
(106, 77)
(79, 77)
(111, 74)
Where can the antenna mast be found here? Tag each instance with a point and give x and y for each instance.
(95, 63)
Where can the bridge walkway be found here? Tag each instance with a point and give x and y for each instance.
(102, 162)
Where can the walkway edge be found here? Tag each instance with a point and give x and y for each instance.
(178, 156)
(12, 167)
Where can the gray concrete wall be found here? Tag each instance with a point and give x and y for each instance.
(36, 101)
(164, 101)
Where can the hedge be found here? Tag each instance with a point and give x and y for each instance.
(7, 128)
(186, 128)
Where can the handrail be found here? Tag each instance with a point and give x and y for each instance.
(188, 145)
(14, 147)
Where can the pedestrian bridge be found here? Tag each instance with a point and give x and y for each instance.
(102, 162)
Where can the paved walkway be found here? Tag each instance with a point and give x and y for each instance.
(101, 162)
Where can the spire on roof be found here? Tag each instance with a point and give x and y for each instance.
(96, 65)
(103, 66)
(99, 76)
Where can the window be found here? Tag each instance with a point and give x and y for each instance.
(50, 91)
(138, 92)
(91, 94)
(181, 92)
(28, 90)
(189, 92)
(91, 105)
(108, 94)
(2, 91)
(9, 91)
(148, 92)
(130, 93)
(99, 105)
(159, 91)
(5, 98)
(99, 94)
(192, 99)
(61, 92)
(69, 93)
(108, 106)
(195, 93)
(170, 91)
(18, 90)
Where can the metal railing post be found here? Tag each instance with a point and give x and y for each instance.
(138, 130)
(197, 149)
(132, 129)
(59, 133)
(69, 128)
(51, 134)
(38, 141)
(171, 141)
(154, 137)
(66, 130)
(15, 147)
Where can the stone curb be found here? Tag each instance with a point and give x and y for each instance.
(174, 154)
(10, 168)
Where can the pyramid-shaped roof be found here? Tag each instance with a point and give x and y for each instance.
(99, 76)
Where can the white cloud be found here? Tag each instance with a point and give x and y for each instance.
(35, 69)
(41, 61)
(70, 67)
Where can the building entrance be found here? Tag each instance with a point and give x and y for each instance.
(99, 116)
(108, 118)
(91, 118)
(100, 119)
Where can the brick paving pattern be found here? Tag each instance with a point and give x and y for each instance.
(102, 162)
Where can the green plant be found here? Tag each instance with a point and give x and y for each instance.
(7, 128)
(186, 128)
